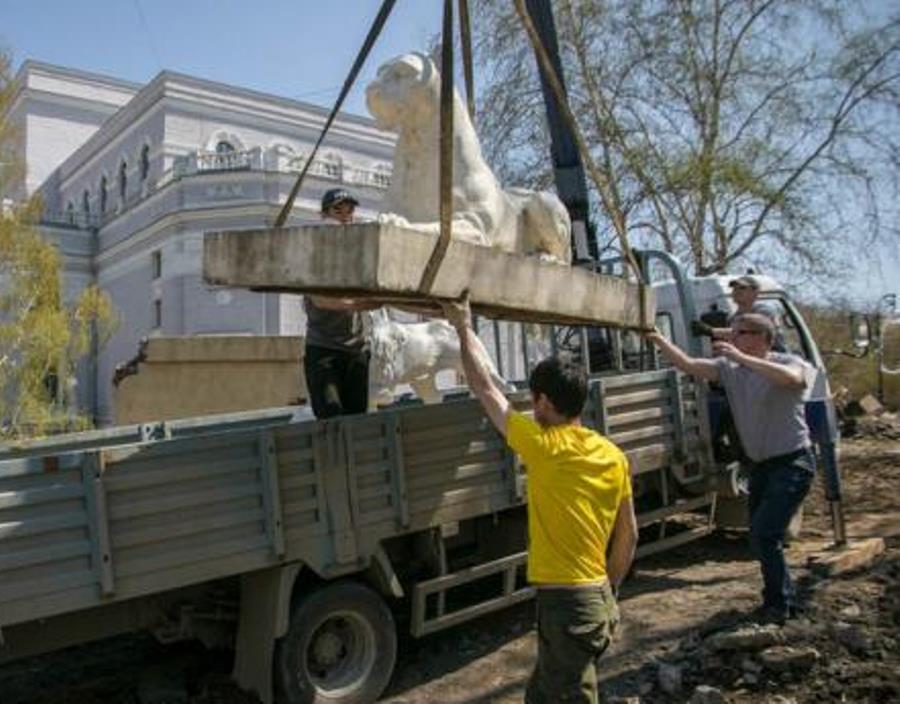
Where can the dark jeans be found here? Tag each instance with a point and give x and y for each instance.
(574, 627)
(777, 488)
(337, 381)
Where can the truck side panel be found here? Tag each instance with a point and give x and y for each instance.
(81, 529)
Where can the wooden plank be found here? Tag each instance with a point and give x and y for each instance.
(31, 588)
(43, 495)
(674, 541)
(616, 421)
(162, 504)
(20, 528)
(176, 529)
(661, 394)
(167, 558)
(384, 263)
(623, 437)
(44, 554)
(297, 480)
(134, 478)
(685, 506)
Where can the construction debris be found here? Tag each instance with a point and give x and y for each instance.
(871, 405)
(858, 555)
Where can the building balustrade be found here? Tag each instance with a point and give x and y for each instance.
(200, 162)
(224, 161)
(69, 218)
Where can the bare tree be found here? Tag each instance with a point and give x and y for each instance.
(725, 131)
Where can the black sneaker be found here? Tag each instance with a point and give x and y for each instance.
(768, 615)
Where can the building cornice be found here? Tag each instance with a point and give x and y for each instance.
(31, 71)
(190, 91)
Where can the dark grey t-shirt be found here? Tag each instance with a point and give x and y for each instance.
(769, 417)
(333, 329)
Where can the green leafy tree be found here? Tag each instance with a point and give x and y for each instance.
(728, 132)
(43, 337)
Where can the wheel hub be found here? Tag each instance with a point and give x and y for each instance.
(328, 649)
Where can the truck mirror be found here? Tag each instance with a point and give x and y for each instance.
(860, 331)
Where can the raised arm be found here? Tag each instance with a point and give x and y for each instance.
(477, 369)
(790, 375)
(703, 368)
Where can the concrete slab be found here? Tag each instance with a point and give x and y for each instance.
(384, 263)
(856, 555)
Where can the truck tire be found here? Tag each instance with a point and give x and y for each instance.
(340, 647)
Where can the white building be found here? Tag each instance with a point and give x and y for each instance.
(132, 176)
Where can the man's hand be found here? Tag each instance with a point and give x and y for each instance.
(458, 313)
(653, 336)
(726, 349)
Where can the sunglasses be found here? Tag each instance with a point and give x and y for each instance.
(738, 333)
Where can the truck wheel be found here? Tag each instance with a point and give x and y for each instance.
(340, 648)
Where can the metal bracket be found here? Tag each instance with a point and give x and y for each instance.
(271, 493)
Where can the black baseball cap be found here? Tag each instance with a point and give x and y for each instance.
(334, 196)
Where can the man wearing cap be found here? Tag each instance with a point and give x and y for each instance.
(766, 391)
(336, 359)
(744, 293)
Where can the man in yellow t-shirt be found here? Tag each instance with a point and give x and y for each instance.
(581, 525)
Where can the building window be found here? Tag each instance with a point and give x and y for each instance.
(86, 202)
(103, 190)
(123, 181)
(224, 147)
(145, 162)
(157, 313)
(157, 264)
(70, 213)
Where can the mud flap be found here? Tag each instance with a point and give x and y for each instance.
(264, 617)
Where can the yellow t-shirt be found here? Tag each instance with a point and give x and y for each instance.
(576, 481)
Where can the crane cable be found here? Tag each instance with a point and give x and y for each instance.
(546, 66)
(374, 31)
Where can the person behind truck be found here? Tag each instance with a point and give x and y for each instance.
(336, 358)
(579, 509)
(766, 392)
(745, 294)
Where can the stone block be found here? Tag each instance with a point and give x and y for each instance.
(857, 555)
(870, 405)
(752, 637)
(782, 658)
(183, 377)
(383, 263)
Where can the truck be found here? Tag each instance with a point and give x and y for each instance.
(308, 545)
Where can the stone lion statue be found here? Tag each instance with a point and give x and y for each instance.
(414, 353)
(405, 98)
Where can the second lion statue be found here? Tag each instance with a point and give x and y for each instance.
(405, 98)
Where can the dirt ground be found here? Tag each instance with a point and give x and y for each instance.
(846, 644)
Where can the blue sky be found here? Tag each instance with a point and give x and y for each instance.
(300, 49)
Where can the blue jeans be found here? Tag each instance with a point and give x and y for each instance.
(777, 488)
